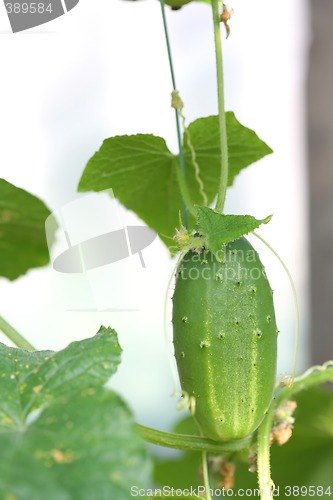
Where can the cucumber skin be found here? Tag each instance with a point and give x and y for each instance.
(177, 3)
(225, 339)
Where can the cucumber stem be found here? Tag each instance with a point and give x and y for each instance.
(313, 376)
(221, 109)
(208, 496)
(263, 456)
(316, 375)
(15, 336)
(181, 173)
(190, 443)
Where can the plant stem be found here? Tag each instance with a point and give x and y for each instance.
(221, 108)
(263, 456)
(14, 336)
(188, 442)
(208, 496)
(187, 203)
(313, 376)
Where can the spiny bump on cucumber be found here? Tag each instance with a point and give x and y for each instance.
(204, 344)
(236, 322)
(258, 333)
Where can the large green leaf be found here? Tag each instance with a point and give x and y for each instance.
(62, 434)
(219, 229)
(82, 446)
(142, 171)
(22, 231)
(43, 376)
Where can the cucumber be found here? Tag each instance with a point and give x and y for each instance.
(177, 4)
(225, 339)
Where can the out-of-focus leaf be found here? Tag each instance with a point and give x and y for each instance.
(31, 380)
(63, 436)
(22, 231)
(82, 446)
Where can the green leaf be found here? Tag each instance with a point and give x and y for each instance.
(73, 369)
(307, 458)
(142, 171)
(32, 380)
(15, 366)
(22, 231)
(62, 435)
(244, 148)
(82, 446)
(218, 229)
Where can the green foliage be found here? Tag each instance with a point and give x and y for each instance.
(244, 148)
(307, 459)
(143, 172)
(219, 229)
(22, 231)
(63, 435)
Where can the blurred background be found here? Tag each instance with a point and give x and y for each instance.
(102, 70)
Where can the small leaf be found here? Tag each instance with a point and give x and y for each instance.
(22, 231)
(218, 229)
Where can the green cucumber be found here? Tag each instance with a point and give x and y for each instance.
(177, 4)
(225, 339)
